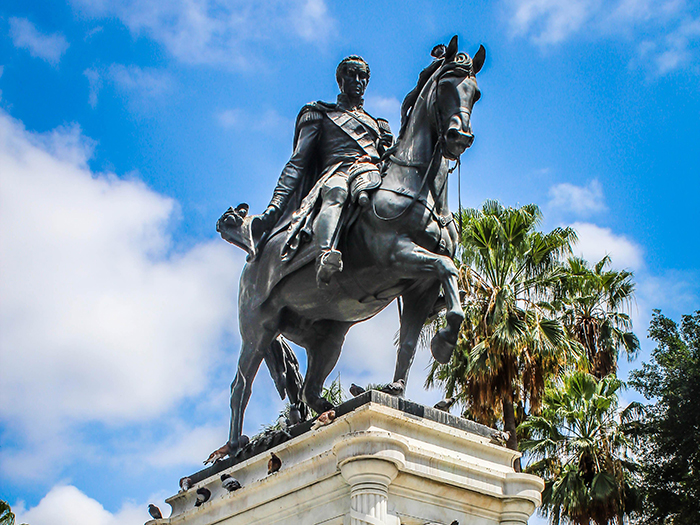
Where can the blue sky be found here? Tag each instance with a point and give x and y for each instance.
(127, 128)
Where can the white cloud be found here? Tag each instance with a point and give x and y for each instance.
(312, 20)
(47, 47)
(674, 290)
(102, 321)
(596, 242)
(95, 85)
(218, 31)
(66, 505)
(369, 356)
(667, 30)
(141, 86)
(551, 21)
(388, 108)
(187, 446)
(581, 200)
(268, 121)
(230, 118)
(674, 51)
(144, 82)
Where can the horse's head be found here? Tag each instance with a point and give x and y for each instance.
(454, 94)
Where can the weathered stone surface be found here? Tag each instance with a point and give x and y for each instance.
(383, 460)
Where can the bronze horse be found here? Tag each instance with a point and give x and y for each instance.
(400, 244)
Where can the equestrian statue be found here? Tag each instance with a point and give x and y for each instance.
(356, 221)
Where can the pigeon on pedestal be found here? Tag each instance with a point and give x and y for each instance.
(203, 495)
(230, 483)
(324, 419)
(445, 404)
(274, 464)
(185, 484)
(356, 390)
(154, 512)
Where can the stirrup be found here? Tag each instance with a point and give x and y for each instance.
(330, 262)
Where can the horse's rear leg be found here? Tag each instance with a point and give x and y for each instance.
(417, 305)
(323, 344)
(416, 261)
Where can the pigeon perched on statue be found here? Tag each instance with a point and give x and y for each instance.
(445, 404)
(294, 416)
(324, 419)
(203, 495)
(356, 390)
(274, 464)
(230, 483)
(154, 512)
(185, 484)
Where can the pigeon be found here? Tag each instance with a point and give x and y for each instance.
(500, 438)
(356, 390)
(203, 495)
(230, 483)
(445, 404)
(154, 512)
(395, 389)
(274, 464)
(294, 416)
(324, 419)
(185, 484)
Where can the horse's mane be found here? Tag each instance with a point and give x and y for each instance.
(412, 96)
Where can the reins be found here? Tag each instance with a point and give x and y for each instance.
(432, 169)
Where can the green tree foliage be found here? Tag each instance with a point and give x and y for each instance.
(6, 515)
(594, 302)
(333, 393)
(670, 431)
(511, 340)
(579, 447)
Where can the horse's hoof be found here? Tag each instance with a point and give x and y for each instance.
(322, 405)
(441, 348)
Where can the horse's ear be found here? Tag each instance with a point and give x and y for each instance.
(478, 60)
(451, 49)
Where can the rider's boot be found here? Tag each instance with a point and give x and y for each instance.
(330, 261)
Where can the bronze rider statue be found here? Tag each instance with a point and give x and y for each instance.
(332, 144)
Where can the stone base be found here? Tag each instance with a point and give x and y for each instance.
(377, 464)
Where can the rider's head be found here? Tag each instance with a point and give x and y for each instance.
(352, 75)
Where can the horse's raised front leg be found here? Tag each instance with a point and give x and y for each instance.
(415, 261)
(323, 343)
(417, 305)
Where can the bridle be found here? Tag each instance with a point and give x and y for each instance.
(438, 150)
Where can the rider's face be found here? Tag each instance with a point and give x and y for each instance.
(353, 80)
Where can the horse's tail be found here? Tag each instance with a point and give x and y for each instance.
(284, 369)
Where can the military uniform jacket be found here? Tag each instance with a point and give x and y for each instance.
(328, 135)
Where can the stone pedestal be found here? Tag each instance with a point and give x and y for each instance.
(383, 461)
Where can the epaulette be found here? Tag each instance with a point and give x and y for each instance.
(383, 125)
(310, 115)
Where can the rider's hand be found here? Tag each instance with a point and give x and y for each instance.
(265, 221)
(269, 217)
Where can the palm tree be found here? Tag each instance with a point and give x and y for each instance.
(579, 448)
(6, 515)
(594, 301)
(511, 340)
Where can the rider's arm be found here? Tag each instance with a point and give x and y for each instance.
(293, 172)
